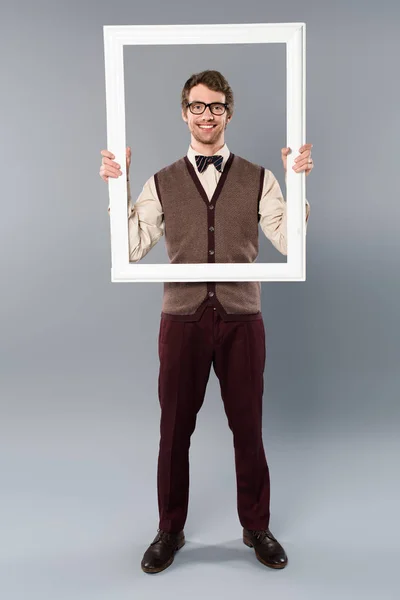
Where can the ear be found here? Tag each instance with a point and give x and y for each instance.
(184, 117)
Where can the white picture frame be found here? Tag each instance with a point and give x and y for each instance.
(291, 34)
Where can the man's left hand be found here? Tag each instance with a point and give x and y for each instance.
(303, 162)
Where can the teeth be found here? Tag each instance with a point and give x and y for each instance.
(206, 126)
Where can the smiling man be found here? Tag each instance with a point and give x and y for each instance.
(209, 204)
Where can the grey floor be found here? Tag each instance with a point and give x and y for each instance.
(79, 503)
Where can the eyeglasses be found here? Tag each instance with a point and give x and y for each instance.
(197, 108)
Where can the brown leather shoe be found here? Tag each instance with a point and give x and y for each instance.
(160, 554)
(267, 548)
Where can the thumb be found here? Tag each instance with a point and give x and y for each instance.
(285, 151)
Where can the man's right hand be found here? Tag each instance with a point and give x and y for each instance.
(109, 168)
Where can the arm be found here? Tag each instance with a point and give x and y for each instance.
(308, 208)
(273, 214)
(145, 221)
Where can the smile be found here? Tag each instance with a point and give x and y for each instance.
(206, 126)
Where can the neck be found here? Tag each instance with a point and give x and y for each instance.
(206, 149)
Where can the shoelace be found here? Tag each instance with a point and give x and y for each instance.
(262, 534)
(165, 536)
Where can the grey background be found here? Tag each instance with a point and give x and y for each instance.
(79, 365)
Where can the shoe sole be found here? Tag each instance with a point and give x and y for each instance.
(247, 542)
(165, 565)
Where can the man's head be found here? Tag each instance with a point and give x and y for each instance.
(207, 87)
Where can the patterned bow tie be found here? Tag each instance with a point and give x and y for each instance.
(202, 162)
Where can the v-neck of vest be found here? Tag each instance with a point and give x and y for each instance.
(220, 183)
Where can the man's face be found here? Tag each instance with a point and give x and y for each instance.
(215, 134)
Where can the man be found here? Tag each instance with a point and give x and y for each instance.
(209, 204)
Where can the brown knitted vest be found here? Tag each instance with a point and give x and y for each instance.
(199, 230)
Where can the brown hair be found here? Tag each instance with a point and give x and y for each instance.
(215, 81)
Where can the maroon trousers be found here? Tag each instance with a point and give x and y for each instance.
(237, 352)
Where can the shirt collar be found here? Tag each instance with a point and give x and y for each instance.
(224, 152)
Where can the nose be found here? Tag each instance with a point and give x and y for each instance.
(208, 108)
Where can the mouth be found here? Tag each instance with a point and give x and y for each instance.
(206, 127)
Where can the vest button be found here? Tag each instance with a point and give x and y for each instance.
(211, 294)
(211, 206)
(211, 228)
(211, 252)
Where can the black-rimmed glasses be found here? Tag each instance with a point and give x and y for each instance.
(197, 108)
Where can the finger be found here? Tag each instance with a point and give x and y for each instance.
(302, 165)
(305, 147)
(113, 168)
(304, 154)
(301, 162)
(306, 167)
(112, 173)
(112, 163)
(109, 171)
(107, 153)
